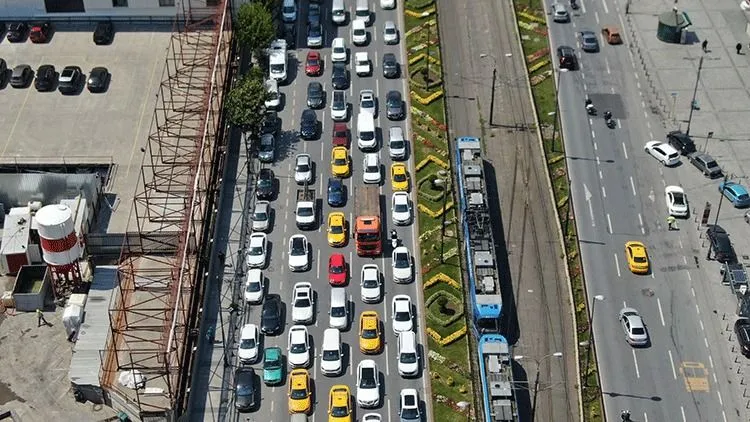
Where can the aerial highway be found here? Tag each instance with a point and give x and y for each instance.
(280, 279)
(618, 192)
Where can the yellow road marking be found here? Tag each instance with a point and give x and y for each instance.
(696, 376)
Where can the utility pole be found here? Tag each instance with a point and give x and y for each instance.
(492, 100)
(557, 107)
(721, 199)
(591, 338)
(709, 136)
(695, 92)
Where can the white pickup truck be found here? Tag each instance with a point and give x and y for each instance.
(277, 60)
(305, 215)
(362, 65)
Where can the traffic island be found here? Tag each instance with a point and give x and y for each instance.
(450, 372)
(531, 21)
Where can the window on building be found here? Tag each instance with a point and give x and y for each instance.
(212, 2)
(119, 3)
(166, 3)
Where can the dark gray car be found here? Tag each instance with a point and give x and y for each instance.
(21, 76)
(315, 95)
(244, 389)
(589, 42)
(394, 106)
(706, 164)
(390, 66)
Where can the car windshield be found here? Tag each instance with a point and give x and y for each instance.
(711, 164)
(247, 343)
(370, 283)
(338, 311)
(338, 105)
(401, 208)
(244, 390)
(337, 269)
(264, 183)
(367, 136)
(390, 30)
(277, 68)
(269, 311)
(638, 331)
(314, 31)
(368, 103)
(298, 348)
(399, 177)
(639, 259)
(256, 250)
(302, 303)
(339, 50)
(288, 9)
(260, 216)
(368, 379)
(369, 334)
(372, 169)
(305, 212)
(408, 358)
(368, 237)
(298, 393)
(297, 247)
(337, 229)
(312, 62)
(272, 363)
(743, 196)
(401, 260)
(253, 287)
(339, 411)
(330, 355)
(679, 199)
(339, 161)
(409, 413)
(303, 167)
(402, 316)
(397, 144)
(359, 31)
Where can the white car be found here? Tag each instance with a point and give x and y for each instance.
(367, 102)
(256, 252)
(254, 286)
(359, 32)
(331, 353)
(339, 108)
(372, 417)
(663, 152)
(408, 355)
(677, 202)
(298, 347)
(401, 262)
(370, 284)
(401, 208)
(262, 216)
(396, 143)
(303, 303)
(386, 4)
(408, 405)
(371, 168)
(390, 33)
(560, 13)
(633, 326)
(274, 98)
(299, 254)
(368, 384)
(303, 169)
(362, 64)
(249, 344)
(338, 50)
(402, 318)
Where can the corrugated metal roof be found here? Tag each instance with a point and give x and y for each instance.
(86, 363)
(16, 232)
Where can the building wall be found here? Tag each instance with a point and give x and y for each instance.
(99, 8)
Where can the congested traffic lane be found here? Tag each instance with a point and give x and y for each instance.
(280, 279)
(618, 194)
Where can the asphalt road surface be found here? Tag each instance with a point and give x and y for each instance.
(274, 400)
(618, 194)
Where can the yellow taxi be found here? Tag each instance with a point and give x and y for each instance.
(370, 337)
(637, 257)
(399, 178)
(300, 394)
(340, 163)
(336, 229)
(339, 404)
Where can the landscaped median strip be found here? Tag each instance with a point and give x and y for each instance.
(536, 47)
(450, 372)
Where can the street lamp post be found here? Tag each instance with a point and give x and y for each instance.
(695, 92)
(591, 337)
(536, 377)
(718, 209)
(492, 100)
(556, 113)
(709, 136)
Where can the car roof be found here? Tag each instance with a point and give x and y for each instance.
(249, 330)
(272, 352)
(673, 188)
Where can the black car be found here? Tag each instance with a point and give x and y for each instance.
(70, 80)
(270, 123)
(391, 68)
(104, 33)
(394, 105)
(742, 332)
(17, 31)
(270, 316)
(340, 76)
(681, 142)
(290, 35)
(308, 125)
(336, 192)
(567, 57)
(21, 76)
(264, 186)
(98, 79)
(244, 389)
(3, 69)
(315, 95)
(721, 246)
(46, 76)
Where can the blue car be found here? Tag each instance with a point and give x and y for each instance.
(336, 192)
(736, 193)
(273, 366)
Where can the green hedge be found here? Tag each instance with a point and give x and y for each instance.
(451, 298)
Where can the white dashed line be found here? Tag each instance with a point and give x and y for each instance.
(609, 224)
(625, 150)
(617, 265)
(705, 341)
(632, 186)
(596, 147)
(711, 361)
(604, 192)
(635, 361)
(682, 409)
(661, 314)
(700, 321)
(671, 361)
(697, 309)
(692, 290)
(690, 277)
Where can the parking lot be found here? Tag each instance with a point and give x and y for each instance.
(48, 127)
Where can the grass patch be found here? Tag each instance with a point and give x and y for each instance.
(444, 413)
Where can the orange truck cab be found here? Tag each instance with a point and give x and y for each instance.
(367, 227)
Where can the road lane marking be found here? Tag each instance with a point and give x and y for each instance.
(596, 16)
(617, 265)
(682, 409)
(604, 192)
(619, 123)
(661, 314)
(697, 309)
(679, 241)
(609, 225)
(318, 265)
(700, 321)
(721, 402)
(692, 290)
(645, 417)
(625, 150)
(387, 366)
(601, 176)
(272, 403)
(724, 415)
(711, 361)
(583, 7)
(596, 148)
(593, 134)
(597, 161)
(640, 219)
(632, 185)
(635, 361)
(606, 63)
(671, 362)
(705, 341)
(696, 376)
(606, 9)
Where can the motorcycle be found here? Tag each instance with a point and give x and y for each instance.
(590, 109)
(394, 239)
(609, 120)
(574, 4)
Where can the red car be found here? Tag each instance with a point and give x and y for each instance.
(40, 33)
(313, 65)
(340, 135)
(337, 270)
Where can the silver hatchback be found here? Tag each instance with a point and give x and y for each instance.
(560, 13)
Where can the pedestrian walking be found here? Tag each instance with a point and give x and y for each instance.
(671, 222)
(704, 45)
(40, 318)
(739, 48)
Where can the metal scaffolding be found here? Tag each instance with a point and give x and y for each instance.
(155, 314)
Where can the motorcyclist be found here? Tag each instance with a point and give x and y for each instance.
(589, 105)
(394, 238)
(607, 115)
(625, 415)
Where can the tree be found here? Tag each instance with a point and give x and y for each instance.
(245, 102)
(255, 27)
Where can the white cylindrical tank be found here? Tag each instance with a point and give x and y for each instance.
(60, 246)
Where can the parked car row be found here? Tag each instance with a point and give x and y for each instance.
(69, 81)
(41, 32)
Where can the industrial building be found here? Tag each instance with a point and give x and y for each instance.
(89, 9)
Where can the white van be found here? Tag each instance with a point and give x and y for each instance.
(359, 33)
(339, 312)
(289, 11)
(331, 353)
(362, 11)
(408, 355)
(366, 140)
(338, 12)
